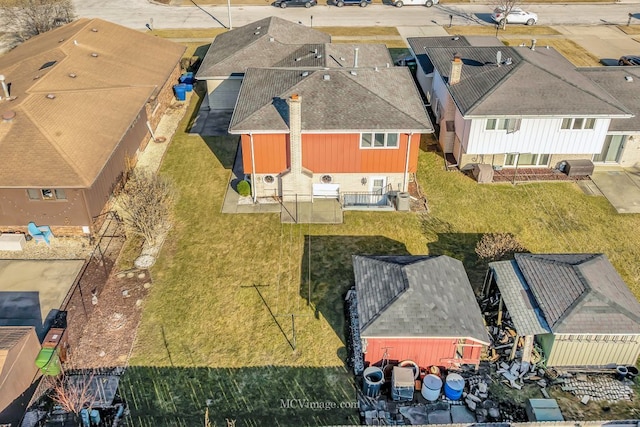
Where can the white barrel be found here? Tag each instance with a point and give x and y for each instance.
(431, 385)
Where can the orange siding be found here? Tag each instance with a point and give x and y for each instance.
(271, 154)
(341, 153)
(424, 351)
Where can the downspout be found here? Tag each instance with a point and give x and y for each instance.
(253, 170)
(406, 164)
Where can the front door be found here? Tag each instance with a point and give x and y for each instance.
(611, 150)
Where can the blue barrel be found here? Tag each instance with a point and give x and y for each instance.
(453, 387)
(372, 381)
(181, 91)
(431, 386)
(189, 87)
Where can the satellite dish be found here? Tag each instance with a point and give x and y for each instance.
(498, 58)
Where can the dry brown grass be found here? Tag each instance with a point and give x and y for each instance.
(356, 32)
(391, 44)
(568, 48)
(190, 33)
(632, 30)
(484, 30)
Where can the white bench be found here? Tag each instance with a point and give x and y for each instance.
(12, 242)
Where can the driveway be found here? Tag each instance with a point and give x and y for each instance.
(621, 188)
(31, 292)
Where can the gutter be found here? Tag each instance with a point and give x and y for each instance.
(405, 177)
(253, 170)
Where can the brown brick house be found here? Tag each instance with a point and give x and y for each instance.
(82, 99)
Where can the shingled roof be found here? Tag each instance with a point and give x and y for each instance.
(349, 99)
(580, 293)
(78, 89)
(416, 296)
(263, 43)
(538, 82)
(624, 84)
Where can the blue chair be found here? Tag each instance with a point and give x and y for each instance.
(41, 233)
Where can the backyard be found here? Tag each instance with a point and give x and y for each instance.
(247, 313)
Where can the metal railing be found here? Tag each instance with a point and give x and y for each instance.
(367, 199)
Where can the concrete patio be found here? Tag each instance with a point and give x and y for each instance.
(621, 187)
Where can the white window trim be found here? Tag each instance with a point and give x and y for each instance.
(573, 119)
(505, 122)
(386, 134)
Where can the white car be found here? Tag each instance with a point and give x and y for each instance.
(515, 16)
(428, 3)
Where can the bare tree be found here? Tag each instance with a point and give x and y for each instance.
(73, 392)
(497, 246)
(507, 6)
(23, 19)
(146, 203)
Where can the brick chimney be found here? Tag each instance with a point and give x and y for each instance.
(295, 136)
(456, 70)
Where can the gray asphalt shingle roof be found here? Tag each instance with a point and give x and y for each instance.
(260, 44)
(580, 293)
(416, 296)
(525, 313)
(418, 45)
(614, 80)
(538, 82)
(335, 99)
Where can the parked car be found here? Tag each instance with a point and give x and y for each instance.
(629, 60)
(295, 3)
(361, 3)
(428, 3)
(515, 16)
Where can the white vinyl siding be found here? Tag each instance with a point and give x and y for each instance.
(597, 350)
(536, 136)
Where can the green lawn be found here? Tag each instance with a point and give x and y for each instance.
(217, 325)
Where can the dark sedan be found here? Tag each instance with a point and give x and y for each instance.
(629, 60)
(295, 3)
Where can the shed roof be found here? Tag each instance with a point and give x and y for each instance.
(537, 83)
(262, 43)
(616, 81)
(416, 297)
(525, 312)
(10, 336)
(99, 76)
(335, 99)
(580, 293)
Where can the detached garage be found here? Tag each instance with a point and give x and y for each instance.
(417, 308)
(576, 306)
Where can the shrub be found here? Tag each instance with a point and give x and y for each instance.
(497, 246)
(244, 189)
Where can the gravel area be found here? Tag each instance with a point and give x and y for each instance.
(60, 248)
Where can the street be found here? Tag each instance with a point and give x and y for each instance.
(137, 13)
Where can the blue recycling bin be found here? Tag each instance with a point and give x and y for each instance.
(189, 87)
(187, 78)
(181, 91)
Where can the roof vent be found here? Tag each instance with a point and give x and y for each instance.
(628, 78)
(353, 73)
(342, 58)
(315, 51)
(8, 116)
(36, 77)
(51, 96)
(94, 30)
(508, 61)
(533, 44)
(498, 58)
(271, 39)
(376, 69)
(60, 41)
(298, 59)
(256, 33)
(94, 55)
(258, 27)
(388, 65)
(456, 38)
(75, 42)
(304, 74)
(326, 77)
(318, 56)
(73, 75)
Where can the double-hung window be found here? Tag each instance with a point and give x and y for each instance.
(510, 125)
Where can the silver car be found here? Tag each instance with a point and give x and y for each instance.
(515, 16)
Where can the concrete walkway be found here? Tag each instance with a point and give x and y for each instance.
(621, 187)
